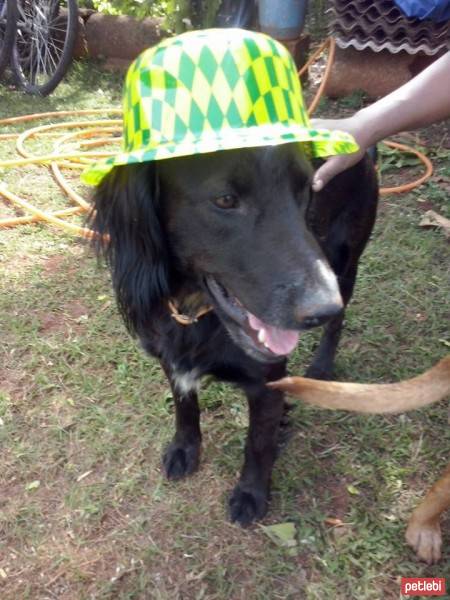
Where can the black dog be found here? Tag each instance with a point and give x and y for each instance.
(239, 230)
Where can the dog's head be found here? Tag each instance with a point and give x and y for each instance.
(234, 222)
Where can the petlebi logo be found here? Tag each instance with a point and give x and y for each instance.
(423, 586)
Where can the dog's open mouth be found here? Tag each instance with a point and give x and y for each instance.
(266, 338)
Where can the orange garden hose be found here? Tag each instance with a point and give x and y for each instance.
(57, 160)
(407, 187)
(103, 132)
(331, 51)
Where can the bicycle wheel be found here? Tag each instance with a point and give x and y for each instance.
(7, 31)
(45, 39)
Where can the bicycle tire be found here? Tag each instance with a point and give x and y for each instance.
(8, 18)
(23, 72)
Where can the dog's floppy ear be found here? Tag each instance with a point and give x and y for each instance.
(127, 215)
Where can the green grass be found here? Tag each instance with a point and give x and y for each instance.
(85, 413)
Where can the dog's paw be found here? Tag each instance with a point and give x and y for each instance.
(425, 539)
(181, 459)
(247, 505)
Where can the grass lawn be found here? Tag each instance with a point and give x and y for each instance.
(84, 509)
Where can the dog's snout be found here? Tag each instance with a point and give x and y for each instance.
(322, 314)
(320, 299)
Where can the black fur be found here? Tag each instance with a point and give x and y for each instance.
(166, 236)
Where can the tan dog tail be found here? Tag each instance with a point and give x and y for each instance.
(431, 386)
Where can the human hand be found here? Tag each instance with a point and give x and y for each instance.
(336, 164)
(418, 103)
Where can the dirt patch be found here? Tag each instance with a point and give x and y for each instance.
(339, 497)
(129, 543)
(69, 319)
(53, 264)
(13, 382)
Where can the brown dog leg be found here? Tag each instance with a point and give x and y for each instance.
(424, 530)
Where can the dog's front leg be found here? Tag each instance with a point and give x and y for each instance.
(182, 455)
(323, 360)
(250, 497)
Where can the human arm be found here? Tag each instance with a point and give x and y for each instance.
(425, 99)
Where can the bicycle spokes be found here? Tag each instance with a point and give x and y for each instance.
(46, 31)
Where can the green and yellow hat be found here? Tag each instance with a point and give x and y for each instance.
(211, 90)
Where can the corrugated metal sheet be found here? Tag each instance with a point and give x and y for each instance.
(380, 25)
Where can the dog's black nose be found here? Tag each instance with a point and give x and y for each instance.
(322, 315)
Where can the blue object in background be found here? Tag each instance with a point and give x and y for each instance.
(282, 19)
(433, 10)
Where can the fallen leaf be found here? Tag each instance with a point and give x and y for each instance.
(283, 535)
(433, 219)
(81, 319)
(334, 522)
(33, 485)
(389, 517)
(81, 477)
(420, 317)
(351, 489)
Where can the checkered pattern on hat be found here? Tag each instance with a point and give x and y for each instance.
(188, 88)
(211, 90)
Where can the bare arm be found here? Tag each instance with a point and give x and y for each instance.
(420, 102)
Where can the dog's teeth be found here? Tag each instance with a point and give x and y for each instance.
(266, 345)
(262, 336)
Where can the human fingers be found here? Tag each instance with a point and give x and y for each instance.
(332, 167)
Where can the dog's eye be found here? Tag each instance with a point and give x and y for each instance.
(226, 202)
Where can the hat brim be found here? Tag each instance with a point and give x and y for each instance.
(318, 143)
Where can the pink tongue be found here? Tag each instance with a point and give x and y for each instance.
(279, 341)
